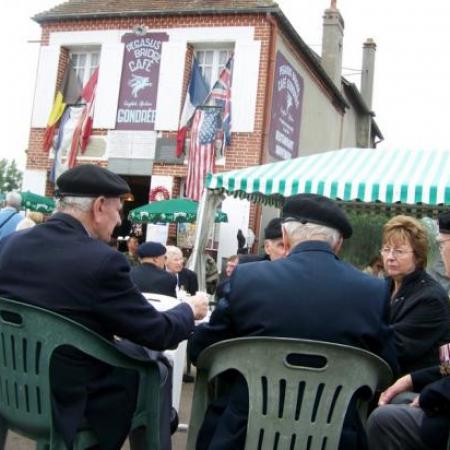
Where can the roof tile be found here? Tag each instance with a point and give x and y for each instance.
(107, 8)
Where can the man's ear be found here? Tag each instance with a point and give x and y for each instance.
(97, 207)
(286, 243)
(338, 246)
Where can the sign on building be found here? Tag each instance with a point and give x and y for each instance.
(139, 82)
(287, 103)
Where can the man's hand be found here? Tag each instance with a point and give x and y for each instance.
(199, 305)
(401, 385)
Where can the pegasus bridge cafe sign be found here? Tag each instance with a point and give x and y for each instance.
(139, 83)
(287, 103)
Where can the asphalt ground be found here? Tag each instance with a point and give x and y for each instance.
(16, 442)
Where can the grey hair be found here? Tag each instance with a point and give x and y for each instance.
(83, 204)
(14, 199)
(172, 250)
(299, 232)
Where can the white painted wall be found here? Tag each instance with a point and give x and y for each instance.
(34, 181)
(245, 81)
(238, 218)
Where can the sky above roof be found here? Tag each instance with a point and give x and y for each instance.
(411, 92)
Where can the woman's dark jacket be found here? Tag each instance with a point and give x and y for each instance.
(420, 317)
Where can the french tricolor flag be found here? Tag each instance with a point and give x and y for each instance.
(197, 92)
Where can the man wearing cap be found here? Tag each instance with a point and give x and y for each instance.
(422, 424)
(151, 275)
(310, 294)
(71, 270)
(273, 244)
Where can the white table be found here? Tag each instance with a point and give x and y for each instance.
(177, 355)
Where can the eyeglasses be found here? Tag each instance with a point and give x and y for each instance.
(396, 252)
(440, 243)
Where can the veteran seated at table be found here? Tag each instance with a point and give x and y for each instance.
(310, 294)
(151, 275)
(66, 265)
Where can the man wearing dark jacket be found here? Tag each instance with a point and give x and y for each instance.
(422, 424)
(65, 265)
(187, 281)
(273, 244)
(151, 275)
(310, 294)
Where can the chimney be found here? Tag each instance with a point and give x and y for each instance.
(368, 70)
(332, 43)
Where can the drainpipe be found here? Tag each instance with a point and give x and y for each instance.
(266, 109)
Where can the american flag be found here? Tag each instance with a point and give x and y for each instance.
(221, 96)
(201, 151)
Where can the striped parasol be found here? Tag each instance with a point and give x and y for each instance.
(367, 175)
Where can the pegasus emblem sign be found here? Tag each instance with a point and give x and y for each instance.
(137, 83)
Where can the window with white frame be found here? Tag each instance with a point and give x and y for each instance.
(211, 62)
(85, 62)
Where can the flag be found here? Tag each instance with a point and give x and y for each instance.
(220, 95)
(201, 151)
(197, 92)
(83, 130)
(63, 141)
(89, 96)
(68, 93)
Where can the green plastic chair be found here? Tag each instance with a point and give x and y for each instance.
(28, 337)
(291, 406)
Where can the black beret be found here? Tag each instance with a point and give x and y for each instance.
(273, 229)
(444, 223)
(151, 250)
(314, 208)
(89, 180)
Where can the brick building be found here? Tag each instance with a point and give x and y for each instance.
(286, 101)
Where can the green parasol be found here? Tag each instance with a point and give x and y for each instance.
(176, 210)
(39, 203)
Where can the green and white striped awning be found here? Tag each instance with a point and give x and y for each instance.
(368, 175)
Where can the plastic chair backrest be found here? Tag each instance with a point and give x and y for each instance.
(299, 390)
(28, 337)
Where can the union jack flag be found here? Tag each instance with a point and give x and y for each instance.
(220, 95)
(201, 151)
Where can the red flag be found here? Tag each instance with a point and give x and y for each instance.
(201, 151)
(83, 129)
(181, 137)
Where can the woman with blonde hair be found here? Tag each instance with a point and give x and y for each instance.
(420, 313)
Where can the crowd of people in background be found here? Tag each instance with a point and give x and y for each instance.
(393, 307)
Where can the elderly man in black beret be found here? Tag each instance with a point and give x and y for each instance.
(151, 275)
(66, 265)
(310, 294)
(273, 244)
(414, 412)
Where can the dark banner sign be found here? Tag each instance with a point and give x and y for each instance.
(139, 82)
(287, 103)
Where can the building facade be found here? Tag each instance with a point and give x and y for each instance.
(286, 101)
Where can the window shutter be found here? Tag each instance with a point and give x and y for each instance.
(44, 94)
(245, 85)
(170, 86)
(107, 96)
